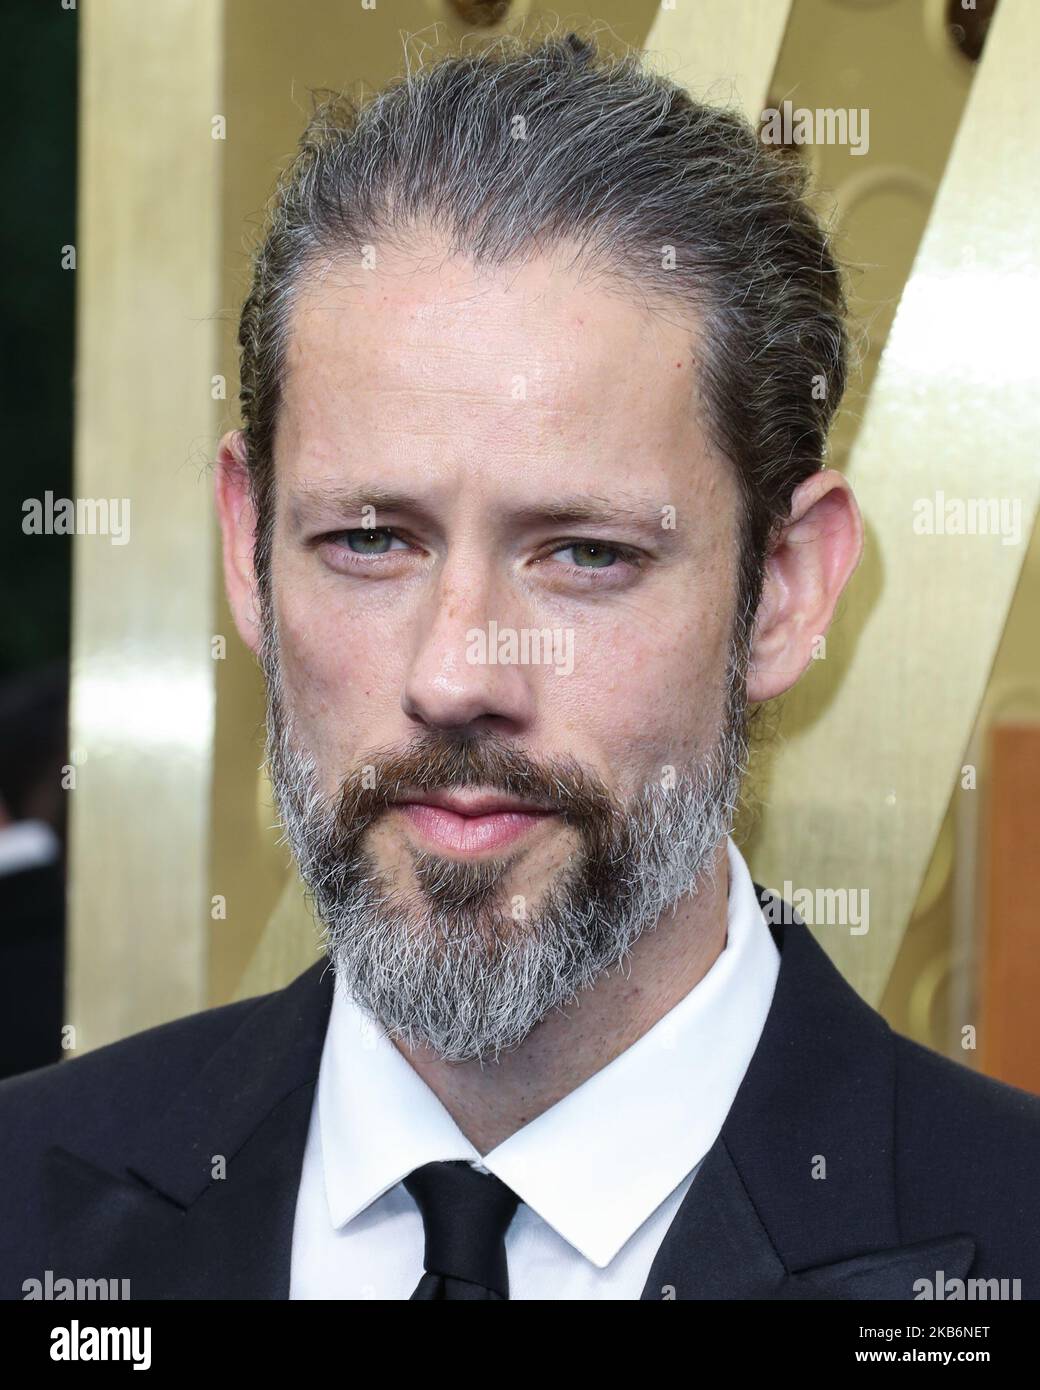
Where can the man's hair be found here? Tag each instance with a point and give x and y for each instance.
(520, 149)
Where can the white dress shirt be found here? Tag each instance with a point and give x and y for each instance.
(600, 1174)
(27, 844)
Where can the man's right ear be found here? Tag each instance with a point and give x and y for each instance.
(238, 527)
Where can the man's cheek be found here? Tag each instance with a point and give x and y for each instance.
(319, 656)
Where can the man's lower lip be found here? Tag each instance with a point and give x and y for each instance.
(469, 834)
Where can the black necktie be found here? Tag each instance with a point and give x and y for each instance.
(465, 1216)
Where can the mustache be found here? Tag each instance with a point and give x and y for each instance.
(438, 761)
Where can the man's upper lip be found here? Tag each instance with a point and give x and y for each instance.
(466, 803)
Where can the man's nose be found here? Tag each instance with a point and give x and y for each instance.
(456, 675)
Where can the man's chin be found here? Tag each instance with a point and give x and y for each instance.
(493, 917)
(461, 986)
(427, 885)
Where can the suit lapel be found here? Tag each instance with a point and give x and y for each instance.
(718, 1248)
(796, 1199)
(206, 1203)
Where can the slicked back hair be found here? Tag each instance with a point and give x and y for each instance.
(522, 148)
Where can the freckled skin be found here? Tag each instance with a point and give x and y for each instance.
(420, 389)
(405, 379)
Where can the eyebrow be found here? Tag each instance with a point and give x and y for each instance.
(576, 509)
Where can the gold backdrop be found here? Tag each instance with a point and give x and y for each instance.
(180, 896)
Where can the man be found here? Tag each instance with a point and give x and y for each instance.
(33, 718)
(529, 506)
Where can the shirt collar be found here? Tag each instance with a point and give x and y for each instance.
(600, 1161)
(27, 844)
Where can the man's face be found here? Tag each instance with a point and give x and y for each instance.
(503, 574)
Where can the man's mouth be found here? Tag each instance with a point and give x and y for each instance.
(470, 822)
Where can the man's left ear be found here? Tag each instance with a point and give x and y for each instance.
(238, 534)
(818, 550)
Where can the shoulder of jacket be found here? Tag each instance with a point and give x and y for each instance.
(145, 1065)
(942, 1084)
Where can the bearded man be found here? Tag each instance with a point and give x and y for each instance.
(536, 347)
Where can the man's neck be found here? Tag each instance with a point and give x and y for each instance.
(490, 1102)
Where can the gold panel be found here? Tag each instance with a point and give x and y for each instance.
(944, 941)
(141, 718)
(722, 51)
(875, 734)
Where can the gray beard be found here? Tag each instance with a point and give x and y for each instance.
(455, 967)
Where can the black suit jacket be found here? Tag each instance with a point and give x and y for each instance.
(931, 1170)
(32, 967)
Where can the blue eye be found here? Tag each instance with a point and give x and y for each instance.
(591, 555)
(368, 540)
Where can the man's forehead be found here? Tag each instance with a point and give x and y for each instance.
(528, 374)
(538, 333)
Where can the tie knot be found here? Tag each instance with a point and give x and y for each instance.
(465, 1218)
